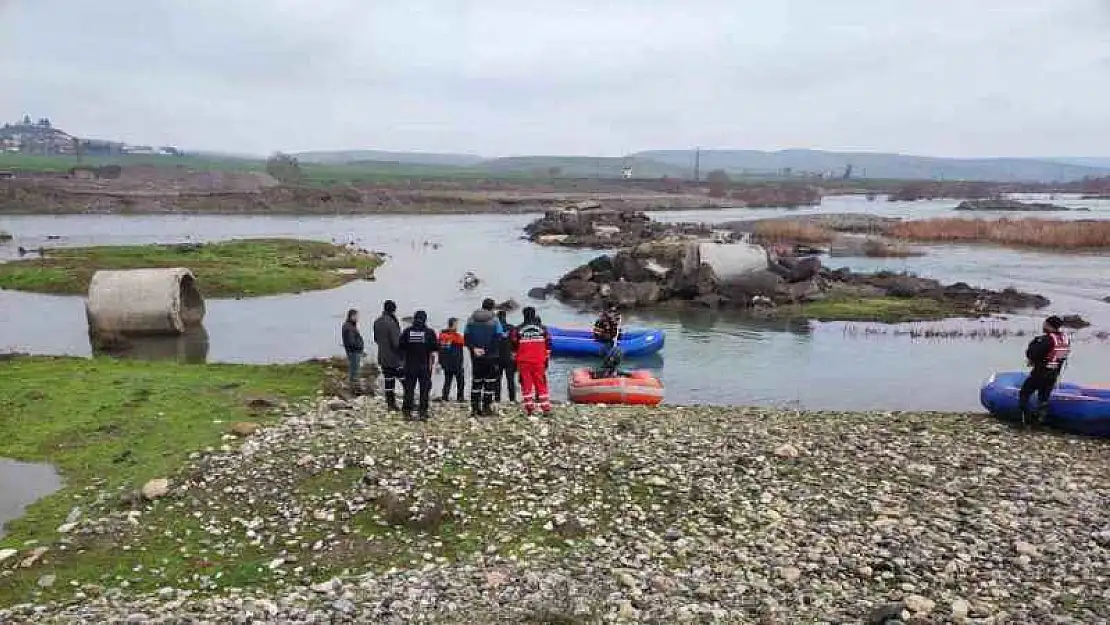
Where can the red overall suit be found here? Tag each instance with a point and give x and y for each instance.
(533, 351)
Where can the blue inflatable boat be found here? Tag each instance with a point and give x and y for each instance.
(634, 342)
(1075, 408)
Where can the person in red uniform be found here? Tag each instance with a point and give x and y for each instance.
(532, 344)
(1047, 354)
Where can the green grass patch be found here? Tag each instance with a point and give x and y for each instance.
(108, 424)
(875, 309)
(239, 268)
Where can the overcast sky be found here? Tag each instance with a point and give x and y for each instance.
(598, 77)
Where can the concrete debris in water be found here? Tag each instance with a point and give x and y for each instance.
(622, 514)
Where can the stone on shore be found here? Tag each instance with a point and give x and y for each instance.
(676, 514)
(156, 489)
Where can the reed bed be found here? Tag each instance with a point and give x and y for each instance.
(788, 231)
(1040, 233)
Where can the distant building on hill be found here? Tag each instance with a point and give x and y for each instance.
(36, 137)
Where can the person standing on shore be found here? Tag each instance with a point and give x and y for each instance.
(481, 335)
(451, 346)
(387, 336)
(1047, 354)
(355, 348)
(533, 355)
(506, 360)
(418, 350)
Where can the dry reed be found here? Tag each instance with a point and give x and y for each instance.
(785, 231)
(1042, 233)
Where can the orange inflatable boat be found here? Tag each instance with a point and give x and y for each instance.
(635, 387)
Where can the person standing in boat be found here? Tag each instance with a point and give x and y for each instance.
(354, 346)
(607, 331)
(387, 336)
(607, 328)
(532, 344)
(1047, 355)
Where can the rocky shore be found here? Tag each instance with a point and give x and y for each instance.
(340, 512)
(746, 277)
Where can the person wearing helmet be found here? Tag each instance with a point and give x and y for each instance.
(387, 336)
(1047, 355)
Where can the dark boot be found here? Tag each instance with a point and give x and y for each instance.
(391, 401)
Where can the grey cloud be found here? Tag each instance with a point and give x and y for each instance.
(501, 77)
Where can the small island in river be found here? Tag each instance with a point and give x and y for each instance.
(227, 269)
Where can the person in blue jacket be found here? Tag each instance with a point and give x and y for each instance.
(482, 336)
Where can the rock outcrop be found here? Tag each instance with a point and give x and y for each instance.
(588, 224)
(674, 273)
(1007, 205)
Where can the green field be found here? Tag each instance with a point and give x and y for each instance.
(239, 268)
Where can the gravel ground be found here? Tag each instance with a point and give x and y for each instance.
(665, 515)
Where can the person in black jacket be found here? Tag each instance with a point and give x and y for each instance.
(387, 333)
(354, 346)
(418, 347)
(1047, 355)
(506, 360)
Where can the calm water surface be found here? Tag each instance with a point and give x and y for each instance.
(708, 358)
(21, 484)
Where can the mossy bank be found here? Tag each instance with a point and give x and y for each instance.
(226, 269)
(338, 510)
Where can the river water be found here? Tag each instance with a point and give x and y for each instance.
(21, 484)
(708, 358)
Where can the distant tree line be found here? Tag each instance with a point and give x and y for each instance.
(284, 168)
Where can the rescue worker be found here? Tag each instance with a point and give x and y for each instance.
(607, 331)
(354, 346)
(1047, 355)
(481, 336)
(506, 361)
(451, 345)
(418, 350)
(387, 336)
(532, 343)
(608, 326)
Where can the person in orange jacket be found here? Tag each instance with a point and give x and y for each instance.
(451, 348)
(532, 343)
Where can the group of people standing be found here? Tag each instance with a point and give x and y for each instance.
(497, 349)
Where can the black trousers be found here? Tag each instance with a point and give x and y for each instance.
(390, 375)
(413, 380)
(505, 370)
(483, 380)
(1040, 381)
(453, 376)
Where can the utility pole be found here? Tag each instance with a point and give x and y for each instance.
(697, 164)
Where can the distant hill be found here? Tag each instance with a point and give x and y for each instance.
(411, 158)
(877, 165)
(1102, 162)
(583, 166)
